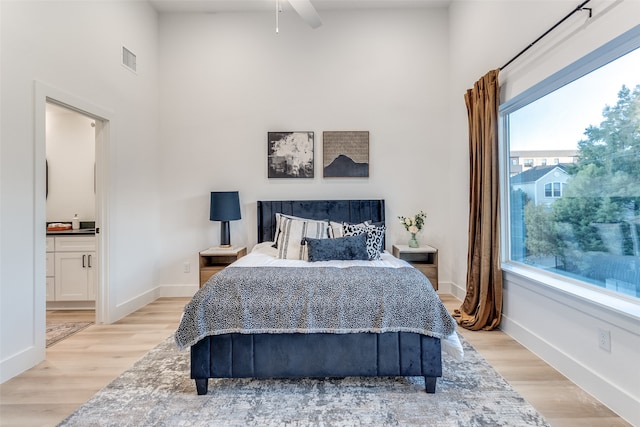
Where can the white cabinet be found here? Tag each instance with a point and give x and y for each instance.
(51, 244)
(74, 268)
(51, 271)
(51, 288)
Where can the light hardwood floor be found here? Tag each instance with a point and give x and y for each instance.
(560, 401)
(81, 365)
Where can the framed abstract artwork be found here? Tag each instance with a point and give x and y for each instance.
(345, 154)
(290, 154)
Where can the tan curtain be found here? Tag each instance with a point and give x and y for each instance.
(482, 306)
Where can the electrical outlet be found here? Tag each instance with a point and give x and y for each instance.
(186, 267)
(604, 339)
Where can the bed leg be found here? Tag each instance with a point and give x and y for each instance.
(430, 384)
(202, 385)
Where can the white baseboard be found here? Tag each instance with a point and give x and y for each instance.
(178, 290)
(135, 303)
(452, 289)
(20, 362)
(125, 308)
(609, 394)
(71, 305)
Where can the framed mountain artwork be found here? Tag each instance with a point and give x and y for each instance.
(345, 154)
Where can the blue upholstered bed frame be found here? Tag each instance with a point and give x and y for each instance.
(316, 355)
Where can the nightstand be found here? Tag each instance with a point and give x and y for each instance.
(213, 260)
(424, 258)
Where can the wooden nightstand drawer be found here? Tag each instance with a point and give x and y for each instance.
(424, 258)
(214, 260)
(207, 272)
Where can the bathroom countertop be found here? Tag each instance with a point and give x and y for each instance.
(82, 231)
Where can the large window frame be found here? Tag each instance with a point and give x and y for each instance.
(610, 51)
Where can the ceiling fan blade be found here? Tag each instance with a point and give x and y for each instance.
(307, 12)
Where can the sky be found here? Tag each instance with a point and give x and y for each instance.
(558, 120)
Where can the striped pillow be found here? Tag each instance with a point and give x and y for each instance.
(291, 244)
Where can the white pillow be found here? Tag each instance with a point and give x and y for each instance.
(279, 217)
(291, 236)
(335, 230)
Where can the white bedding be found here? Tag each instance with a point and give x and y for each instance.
(265, 255)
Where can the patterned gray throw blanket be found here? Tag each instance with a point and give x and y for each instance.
(312, 300)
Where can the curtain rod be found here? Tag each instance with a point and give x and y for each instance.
(579, 8)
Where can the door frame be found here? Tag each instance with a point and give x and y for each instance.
(104, 121)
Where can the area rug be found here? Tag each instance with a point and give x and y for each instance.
(57, 331)
(157, 391)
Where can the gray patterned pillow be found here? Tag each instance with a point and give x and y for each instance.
(375, 237)
(340, 248)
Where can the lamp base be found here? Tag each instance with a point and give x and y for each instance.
(225, 235)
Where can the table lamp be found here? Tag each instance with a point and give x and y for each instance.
(225, 207)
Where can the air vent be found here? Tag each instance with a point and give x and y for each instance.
(128, 59)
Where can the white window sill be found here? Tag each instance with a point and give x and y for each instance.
(604, 304)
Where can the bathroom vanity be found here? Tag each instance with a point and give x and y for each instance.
(71, 274)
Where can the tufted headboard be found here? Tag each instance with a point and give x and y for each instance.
(353, 211)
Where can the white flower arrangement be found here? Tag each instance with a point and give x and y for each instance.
(413, 224)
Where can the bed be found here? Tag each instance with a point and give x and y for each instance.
(276, 332)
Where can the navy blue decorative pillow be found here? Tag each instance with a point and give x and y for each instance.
(375, 237)
(341, 248)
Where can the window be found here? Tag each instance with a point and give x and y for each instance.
(543, 162)
(528, 163)
(552, 189)
(590, 231)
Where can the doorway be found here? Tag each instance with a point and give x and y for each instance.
(71, 202)
(101, 120)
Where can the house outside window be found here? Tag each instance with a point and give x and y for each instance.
(541, 184)
(585, 227)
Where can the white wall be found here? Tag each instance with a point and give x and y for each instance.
(225, 81)
(484, 35)
(228, 79)
(561, 328)
(75, 47)
(71, 153)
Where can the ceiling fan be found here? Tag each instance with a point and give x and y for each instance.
(305, 9)
(307, 12)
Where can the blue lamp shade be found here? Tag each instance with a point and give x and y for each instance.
(225, 207)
